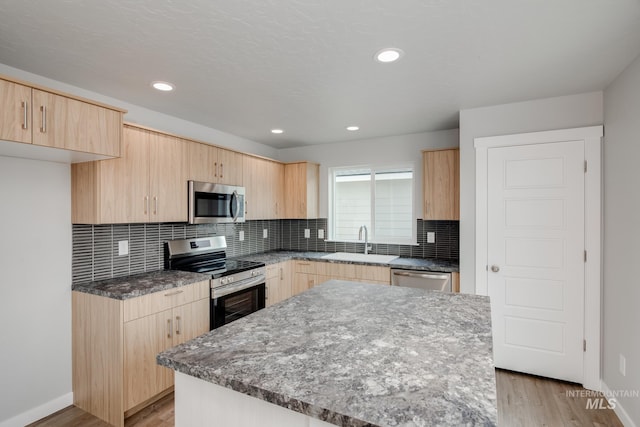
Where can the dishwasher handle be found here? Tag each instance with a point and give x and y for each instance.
(421, 275)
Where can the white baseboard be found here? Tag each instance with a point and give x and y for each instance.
(39, 412)
(619, 410)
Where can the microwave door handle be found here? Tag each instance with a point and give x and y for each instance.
(235, 196)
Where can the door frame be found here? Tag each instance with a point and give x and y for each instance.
(592, 137)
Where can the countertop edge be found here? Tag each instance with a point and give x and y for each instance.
(275, 398)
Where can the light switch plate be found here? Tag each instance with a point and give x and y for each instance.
(123, 247)
(241, 235)
(321, 234)
(623, 366)
(265, 233)
(431, 236)
(307, 233)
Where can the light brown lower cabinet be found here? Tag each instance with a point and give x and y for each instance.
(308, 274)
(278, 283)
(115, 344)
(455, 282)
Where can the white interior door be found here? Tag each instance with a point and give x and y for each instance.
(535, 203)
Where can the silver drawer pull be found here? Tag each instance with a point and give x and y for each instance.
(170, 294)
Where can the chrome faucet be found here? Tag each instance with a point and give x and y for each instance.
(367, 248)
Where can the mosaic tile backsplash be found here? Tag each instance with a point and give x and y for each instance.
(95, 247)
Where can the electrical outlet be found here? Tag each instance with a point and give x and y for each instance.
(241, 235)
(123, 247)
(307, 233)
(623, 366)
(431, 236)
(321, 234)
(265, 233)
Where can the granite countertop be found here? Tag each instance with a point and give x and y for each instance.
(356, 354)
(140, 284)
(275, 257)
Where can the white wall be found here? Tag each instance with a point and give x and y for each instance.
(621, 229)
(530, 116)
(149, 118)
(401, 149)
(35, 289)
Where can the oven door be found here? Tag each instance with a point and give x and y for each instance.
(233, 302)
(215, 203)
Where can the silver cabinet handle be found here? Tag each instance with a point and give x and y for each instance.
(215, 169)
(43, 110)
(281, 274)
(266, 292)
(155, 205)
(245, 207)
(221, 170)
(25, 117)
(170, 294)
(169, 328)
(495, 268)
(177, 325)
(146, 204)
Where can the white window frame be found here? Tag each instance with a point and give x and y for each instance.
(374, 169)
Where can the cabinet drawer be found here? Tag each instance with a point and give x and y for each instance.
(336, 270)
(164, 300)
(273, 271)
(373, 274)
(308, 267)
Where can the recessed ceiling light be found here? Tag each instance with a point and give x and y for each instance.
(389, 54)
(353, 128)
(163, 86)
(277, 131)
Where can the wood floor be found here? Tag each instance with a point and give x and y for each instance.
(523, 401)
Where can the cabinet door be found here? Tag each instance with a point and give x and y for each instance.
(295, 190)
(441, 184)
(75, 125)
(254, 171)
(15, 112)
(230, 167)
(276, 187)
(279, 284)
(303, 282)
(167, 178)
(203, 162)
(144, 338)
(124, 182)
(190, 320)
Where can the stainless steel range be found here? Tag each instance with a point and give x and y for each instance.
(237, 286)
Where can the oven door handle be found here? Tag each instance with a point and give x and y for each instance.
(235, 287)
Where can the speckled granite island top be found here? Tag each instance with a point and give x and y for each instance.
(140, 284)
(274, 257)
(357, 354)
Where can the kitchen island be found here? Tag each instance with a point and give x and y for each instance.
(343, 353)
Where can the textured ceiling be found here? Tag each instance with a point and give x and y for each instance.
(306, 66)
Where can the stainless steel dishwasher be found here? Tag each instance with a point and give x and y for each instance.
(420, 279)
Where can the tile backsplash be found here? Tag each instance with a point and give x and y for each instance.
(95, 247)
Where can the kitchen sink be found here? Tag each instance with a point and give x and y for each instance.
(372, 258)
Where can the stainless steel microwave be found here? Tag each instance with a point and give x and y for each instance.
(215, 203)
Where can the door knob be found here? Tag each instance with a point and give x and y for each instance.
(495, 268)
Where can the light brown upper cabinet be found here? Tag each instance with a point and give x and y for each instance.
(263, 182)
(147, 184)
(441, 177)
(41, 117)
(212, 164)
(15, 116)
(301, 182)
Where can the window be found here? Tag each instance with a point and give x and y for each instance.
(380, 198)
